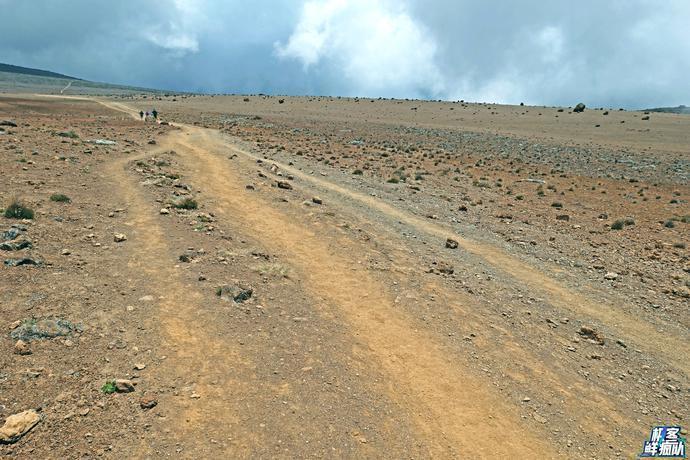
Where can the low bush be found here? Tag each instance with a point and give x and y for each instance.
(60, 198)
(16, 210)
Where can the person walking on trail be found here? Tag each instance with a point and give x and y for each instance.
(147, 116)
(141, 114)
(154, 112)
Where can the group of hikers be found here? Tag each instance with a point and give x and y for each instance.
(145, 115)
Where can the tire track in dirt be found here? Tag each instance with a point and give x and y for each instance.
(645, 336)
(455, 411)
(559, 295)
(195, 355)
(577, 397)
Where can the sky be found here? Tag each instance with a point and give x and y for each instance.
(605, 53)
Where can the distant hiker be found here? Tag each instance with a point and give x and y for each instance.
(147, 116)
(155, 114)
(141, 114)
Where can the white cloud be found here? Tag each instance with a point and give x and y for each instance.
(177, 42)
(550, 41)
(376, 45)
(179, 35)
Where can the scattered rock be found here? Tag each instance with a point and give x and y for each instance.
(451, 243)
(46, 328)
(611, 276)
(17, 246)
(124, 386)
(8, 123)
(13, 232)
(539, 418)
(152, 142)
(103, 142)
(579, 108)
(442, 267)
(140, 366)
(21, 348)
(317, 200)
(148, 402)
(284, 185)
(23, 261)
(235, 292)
(119, 237)
(645, 118)
(164, 211)
(564, 217)
(18, 425)
(591, 335)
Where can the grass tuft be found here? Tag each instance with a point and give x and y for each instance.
(16, 210)
(60, 198)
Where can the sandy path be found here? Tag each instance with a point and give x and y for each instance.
(455, 412)
(209, 366)
(645, 336)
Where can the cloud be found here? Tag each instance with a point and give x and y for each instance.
(379, 48)
(178, 42)
(632, 53)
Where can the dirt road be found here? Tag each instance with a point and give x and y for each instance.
(366, 345)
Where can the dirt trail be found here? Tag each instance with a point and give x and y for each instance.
(196, 357)
(331, 276)
(445, 402)
(456, 412)
(643, 335)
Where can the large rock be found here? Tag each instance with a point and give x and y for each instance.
(18, 246)
(235, 292)
(18, 425)
(46, 328)
(23, 261)
(579, 108)
(124, 386)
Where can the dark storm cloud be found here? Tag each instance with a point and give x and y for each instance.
(632, 53)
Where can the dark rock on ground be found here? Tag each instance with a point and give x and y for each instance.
(235, 292)
(24, 261)
(15, 246)
(46, 328)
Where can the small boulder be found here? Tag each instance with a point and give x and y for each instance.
(124, 386)
(119, 237)
(148, 402)
(317, 200)
(579, 108)
(237, 293)
(284, 185)
(47, 328)
(451, 243)
(591, 335)
(21, 348)
(18, 425)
